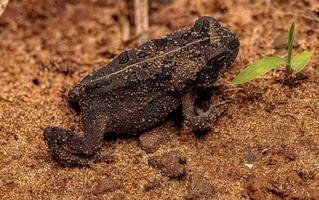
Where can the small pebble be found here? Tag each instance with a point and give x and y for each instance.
(118, 196)
(171, 164)
(199, 188)
(107, 184)
(151, 141)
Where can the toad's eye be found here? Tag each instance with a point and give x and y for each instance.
(220, 60)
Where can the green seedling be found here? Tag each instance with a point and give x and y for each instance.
(266, 64)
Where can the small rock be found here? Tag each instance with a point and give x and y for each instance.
(151, 141)
(107, 184)
(199, 188)
(171, 164)
(249, 160)
(118, 196)
(152, 185)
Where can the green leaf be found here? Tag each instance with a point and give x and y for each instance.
(301, 60)
(259, 68)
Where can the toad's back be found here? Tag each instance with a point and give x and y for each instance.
(177, 57)
(141, 87)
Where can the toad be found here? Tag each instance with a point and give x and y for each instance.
(141, 87)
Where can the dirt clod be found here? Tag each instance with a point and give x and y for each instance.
(107, 184)
(118, 196)
(199, 188)
(108, 159)
(171, 164)
(151, 141)
(152, 185)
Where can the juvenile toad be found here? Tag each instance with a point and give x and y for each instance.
(141, 87)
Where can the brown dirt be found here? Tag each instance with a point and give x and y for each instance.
(47, 46)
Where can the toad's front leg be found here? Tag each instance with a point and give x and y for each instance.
(200, 119)
(74, 97)
(69, 148)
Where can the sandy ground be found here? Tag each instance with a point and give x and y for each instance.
(48, 46)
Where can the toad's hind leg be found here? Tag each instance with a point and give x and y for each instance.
(69, 148)
(198, 120)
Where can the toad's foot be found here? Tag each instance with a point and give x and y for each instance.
(68, 148)
(197, 119)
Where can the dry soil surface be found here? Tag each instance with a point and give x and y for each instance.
(265, 146)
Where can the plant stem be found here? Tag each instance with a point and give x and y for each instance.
(141, 11)
(290, 46)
